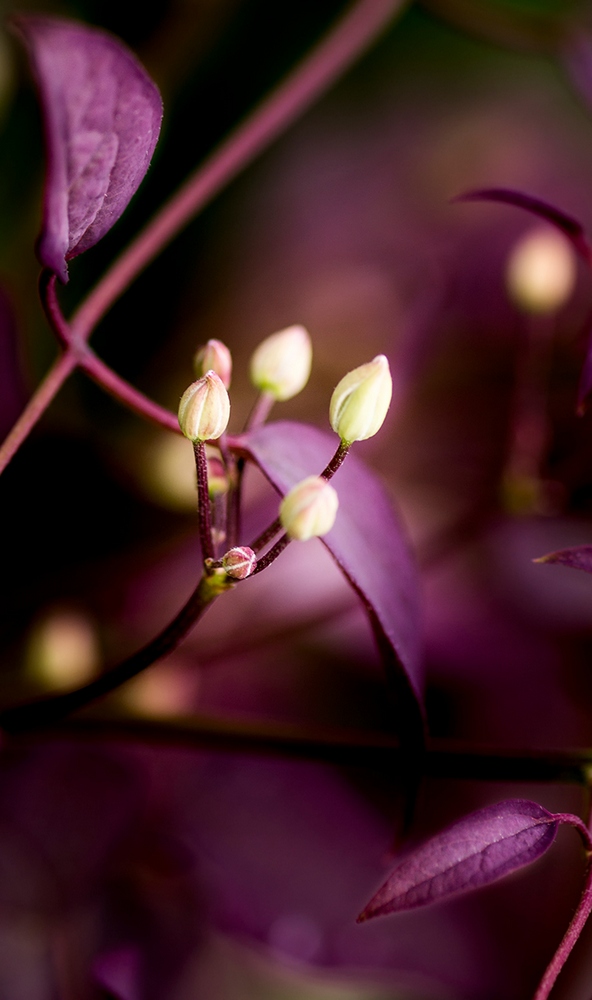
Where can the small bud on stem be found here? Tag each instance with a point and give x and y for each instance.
(280, 366)
(309, 509)
(213, 356)
(239, 562)
(204, 410)
(361, 400)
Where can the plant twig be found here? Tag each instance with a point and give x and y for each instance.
(345, 42)
(48, 711)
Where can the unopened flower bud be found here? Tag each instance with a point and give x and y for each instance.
(204, 409)
(239, 562)
(361, 400)
(213, 356)
(309, 509)
(281, 364)
(541, 271)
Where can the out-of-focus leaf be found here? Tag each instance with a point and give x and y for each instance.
(481, 848)
(570, 227)
(580, 557)
(102, 116)
(367, 541)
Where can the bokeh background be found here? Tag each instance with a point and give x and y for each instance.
(132, 870)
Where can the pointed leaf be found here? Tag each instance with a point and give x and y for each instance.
(481, 848)
(367, 541)
(570, 227)
(579, 557)
(102, 115)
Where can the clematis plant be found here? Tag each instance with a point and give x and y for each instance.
(102, 117)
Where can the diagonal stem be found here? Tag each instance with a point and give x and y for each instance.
(62, 367)
(345, 42)
(48, 711)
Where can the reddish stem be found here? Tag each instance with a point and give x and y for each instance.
(345, 42)
(578, 920)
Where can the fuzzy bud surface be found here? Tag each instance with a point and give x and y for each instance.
(214, 356)
(281, 364)
(204, 410)
(239, 562)
(309, 509)
(361, 400)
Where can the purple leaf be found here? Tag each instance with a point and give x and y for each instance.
(366, 542)
(570, 227)
(481, 848)
(102, 116)
(580, 557)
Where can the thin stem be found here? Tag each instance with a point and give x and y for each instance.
(358, 748)
(337, 461)
(266, 536)
(62, 367)
(272, 555)
(48, 711)
(126, 393)
(343, 44)
(569, 939)
(203, 502)
(51, 307)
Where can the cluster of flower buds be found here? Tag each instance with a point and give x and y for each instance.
(280, 367)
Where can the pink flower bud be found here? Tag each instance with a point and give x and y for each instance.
(309, 509)
(239, 562)
(214, 356)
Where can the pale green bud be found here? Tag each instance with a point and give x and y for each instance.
(361, 400)
(281, 364)
(309, 509)
(239, 562)
(213, 356)
(204, 410)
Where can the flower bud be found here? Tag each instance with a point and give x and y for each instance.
(541, 271)
(204, 409)
(213, 356)
(281, 364)
(361, 400)
(239, 562)
(309, 509)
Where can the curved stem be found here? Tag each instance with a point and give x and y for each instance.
(37, 405)
(47, 711)
(126, 393)
(569, 939)
(337, 461)
(345, 42)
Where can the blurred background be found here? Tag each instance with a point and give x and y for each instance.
(135, 871)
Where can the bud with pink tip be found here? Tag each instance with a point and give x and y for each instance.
(204, 410)
(239, 562)
(214, 356)
(309, 509)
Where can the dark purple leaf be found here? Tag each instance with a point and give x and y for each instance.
(366, 542)
(481, 848)
(580, 557)
(570, 227)
(102, 116)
